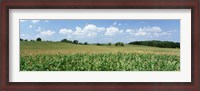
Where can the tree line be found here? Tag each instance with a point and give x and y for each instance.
(156, 43)
(73, 42)
(38, 39)
(80, 43)
(85, 43)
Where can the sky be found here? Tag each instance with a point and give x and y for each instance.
(100, 31)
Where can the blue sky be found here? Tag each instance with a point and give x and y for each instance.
(101, 31)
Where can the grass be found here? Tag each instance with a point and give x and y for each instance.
(56, 56)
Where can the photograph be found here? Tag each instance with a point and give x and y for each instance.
(99, 44)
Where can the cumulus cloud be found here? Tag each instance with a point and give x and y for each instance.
(161, 34)
(79, 32)
(35, 21)
(92, 34)
(65, 31)
(46, 33)
(91, 27)
(22, 35)
(30, 26)
(38, 29)
(130, 31)
(90, 30)
(25, 36)
(23, 20)
(152, 31)
(112, 31)
(114, 23)
(140, 33)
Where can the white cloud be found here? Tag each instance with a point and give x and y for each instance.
(35, 21)
(154, 31)
(65, 31)
(140, 33)
(92, 34)
(130, 31)
(79, 32)
(24, 36)
(112, 31)
(30, 26)
(161, 34)
(23, 20)
(46, 21)
(93, 28)
(114, 23)
(38, 29)
(90, 27)
(89, 30)
(47, 33)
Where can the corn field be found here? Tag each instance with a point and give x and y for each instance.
(100, 62)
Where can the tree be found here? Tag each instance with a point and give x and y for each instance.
(75, 42)
(25, 40)
(66, 41)
(85, 43)
(38, 39)
(98, 44)
(63, 40)
(69, 41)
(156, 43)
(21, 39)
(109, 44)
(119, 44)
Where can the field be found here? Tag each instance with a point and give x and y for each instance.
(57, 56)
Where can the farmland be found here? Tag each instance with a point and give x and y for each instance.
(58, 56)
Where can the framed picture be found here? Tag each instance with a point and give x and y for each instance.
(100, 45)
